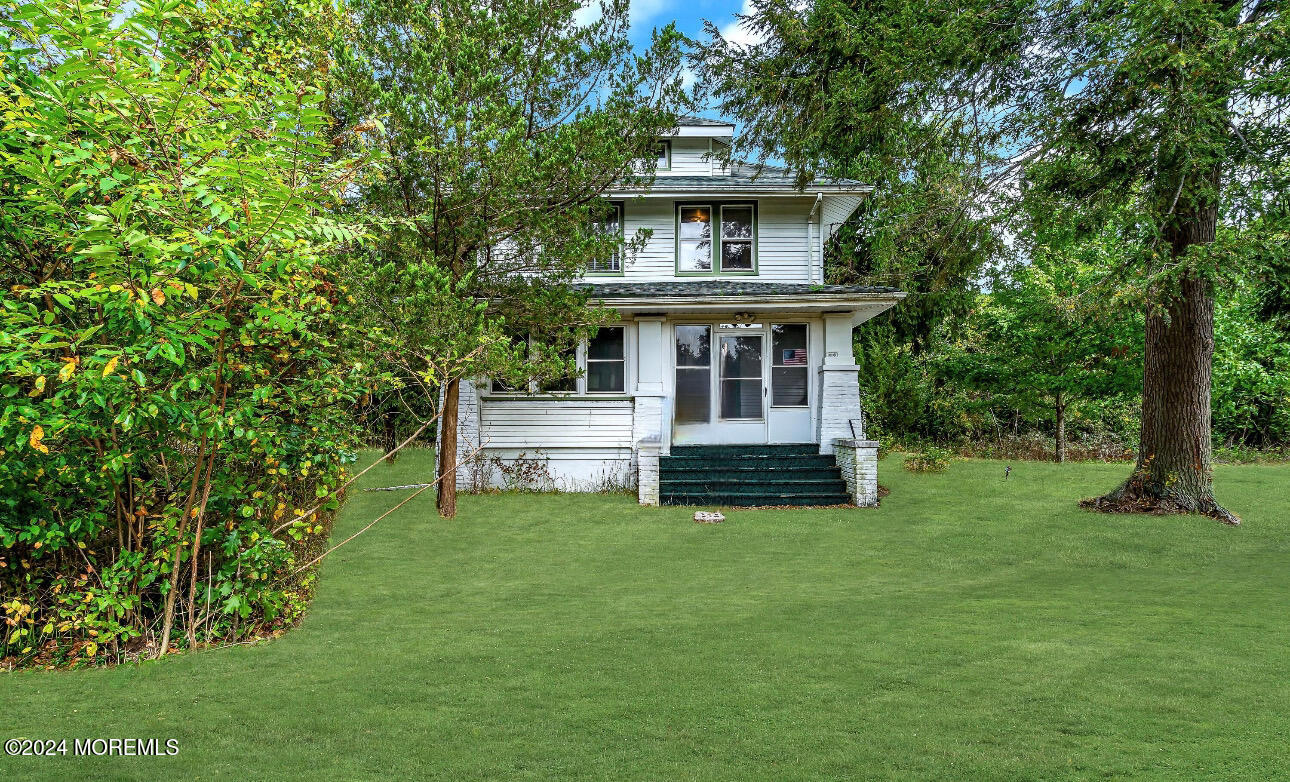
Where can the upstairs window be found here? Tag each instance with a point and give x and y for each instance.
(737, 238)
(612, 224)
(716, 239)
(663, 156)
(694, 239)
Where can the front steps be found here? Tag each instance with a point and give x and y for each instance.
(750, 475)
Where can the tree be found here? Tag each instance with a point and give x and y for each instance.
(1171, 110)
(506, 121)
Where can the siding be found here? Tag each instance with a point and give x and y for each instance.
(689, 158)
(550, 423)
(781, 238)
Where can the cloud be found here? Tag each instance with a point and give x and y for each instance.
(737, 32)
(639, 12)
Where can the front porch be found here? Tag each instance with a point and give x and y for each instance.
(752, 385)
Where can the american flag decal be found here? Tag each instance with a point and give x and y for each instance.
(794, 357)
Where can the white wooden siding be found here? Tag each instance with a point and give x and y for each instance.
(555, 423)
(782, 239)
(690, 158)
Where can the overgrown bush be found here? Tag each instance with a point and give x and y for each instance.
(930, 459)
(176, 385)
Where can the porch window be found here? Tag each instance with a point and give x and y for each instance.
(565, 383)
(612, 224)
(607, 361)
(693, 374)
(788, 365)
(501, 386)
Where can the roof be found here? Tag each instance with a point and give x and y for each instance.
(746, 178)
(700, 122)
(727, 287)
(862, 302)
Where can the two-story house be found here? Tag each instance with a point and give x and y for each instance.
(729, 378)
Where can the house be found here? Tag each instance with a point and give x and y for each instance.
(729, 378)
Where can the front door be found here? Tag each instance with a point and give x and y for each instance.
(720, 384)
(742, 383)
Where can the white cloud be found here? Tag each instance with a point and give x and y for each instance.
(644, 10)
(639, 12)
(588, 14)
(737, 32)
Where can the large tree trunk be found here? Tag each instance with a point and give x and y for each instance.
(1174, 468)
(1059, 411)
(447, 497)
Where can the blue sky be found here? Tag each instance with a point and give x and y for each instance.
(688, 15)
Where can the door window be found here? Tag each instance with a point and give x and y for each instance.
(741, 368)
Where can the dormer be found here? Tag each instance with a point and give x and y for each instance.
(693, 148)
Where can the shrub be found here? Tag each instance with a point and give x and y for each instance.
(930, 459)
(175, 382)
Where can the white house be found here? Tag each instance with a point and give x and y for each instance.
(729, 378)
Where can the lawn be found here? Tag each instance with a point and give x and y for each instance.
(970, 628)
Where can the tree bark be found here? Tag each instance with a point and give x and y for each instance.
(1059, 410)
(447, 493)
(1175, 458)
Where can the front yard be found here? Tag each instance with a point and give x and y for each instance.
(971, 628)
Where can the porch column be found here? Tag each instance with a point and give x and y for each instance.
(647, 416)
(840, 415)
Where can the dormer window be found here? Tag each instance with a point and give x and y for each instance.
(663, 156)
(716, 238)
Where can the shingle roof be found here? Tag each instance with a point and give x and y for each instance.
(744, 176)
(725, 287)
(700, 122)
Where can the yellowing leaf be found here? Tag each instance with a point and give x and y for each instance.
(158, 297)
(91, 648)
(111, 366)
(38, 434)
(40, 387)
(69, 367)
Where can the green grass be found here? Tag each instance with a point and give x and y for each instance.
(968, 629)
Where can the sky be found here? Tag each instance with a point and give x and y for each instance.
(689, 15)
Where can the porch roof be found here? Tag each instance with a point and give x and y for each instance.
(744, 178)
(735, 295)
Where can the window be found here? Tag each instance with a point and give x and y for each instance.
(564, 383)
(607, 361)
(693, 374)
(720, 238)
(603, 357)
(518, 342)
(694, 239)
(741, 377)
(663, 156)
(612, 224)
(788, 365)
(737, 238)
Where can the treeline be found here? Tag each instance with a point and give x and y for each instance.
(1022, 351)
